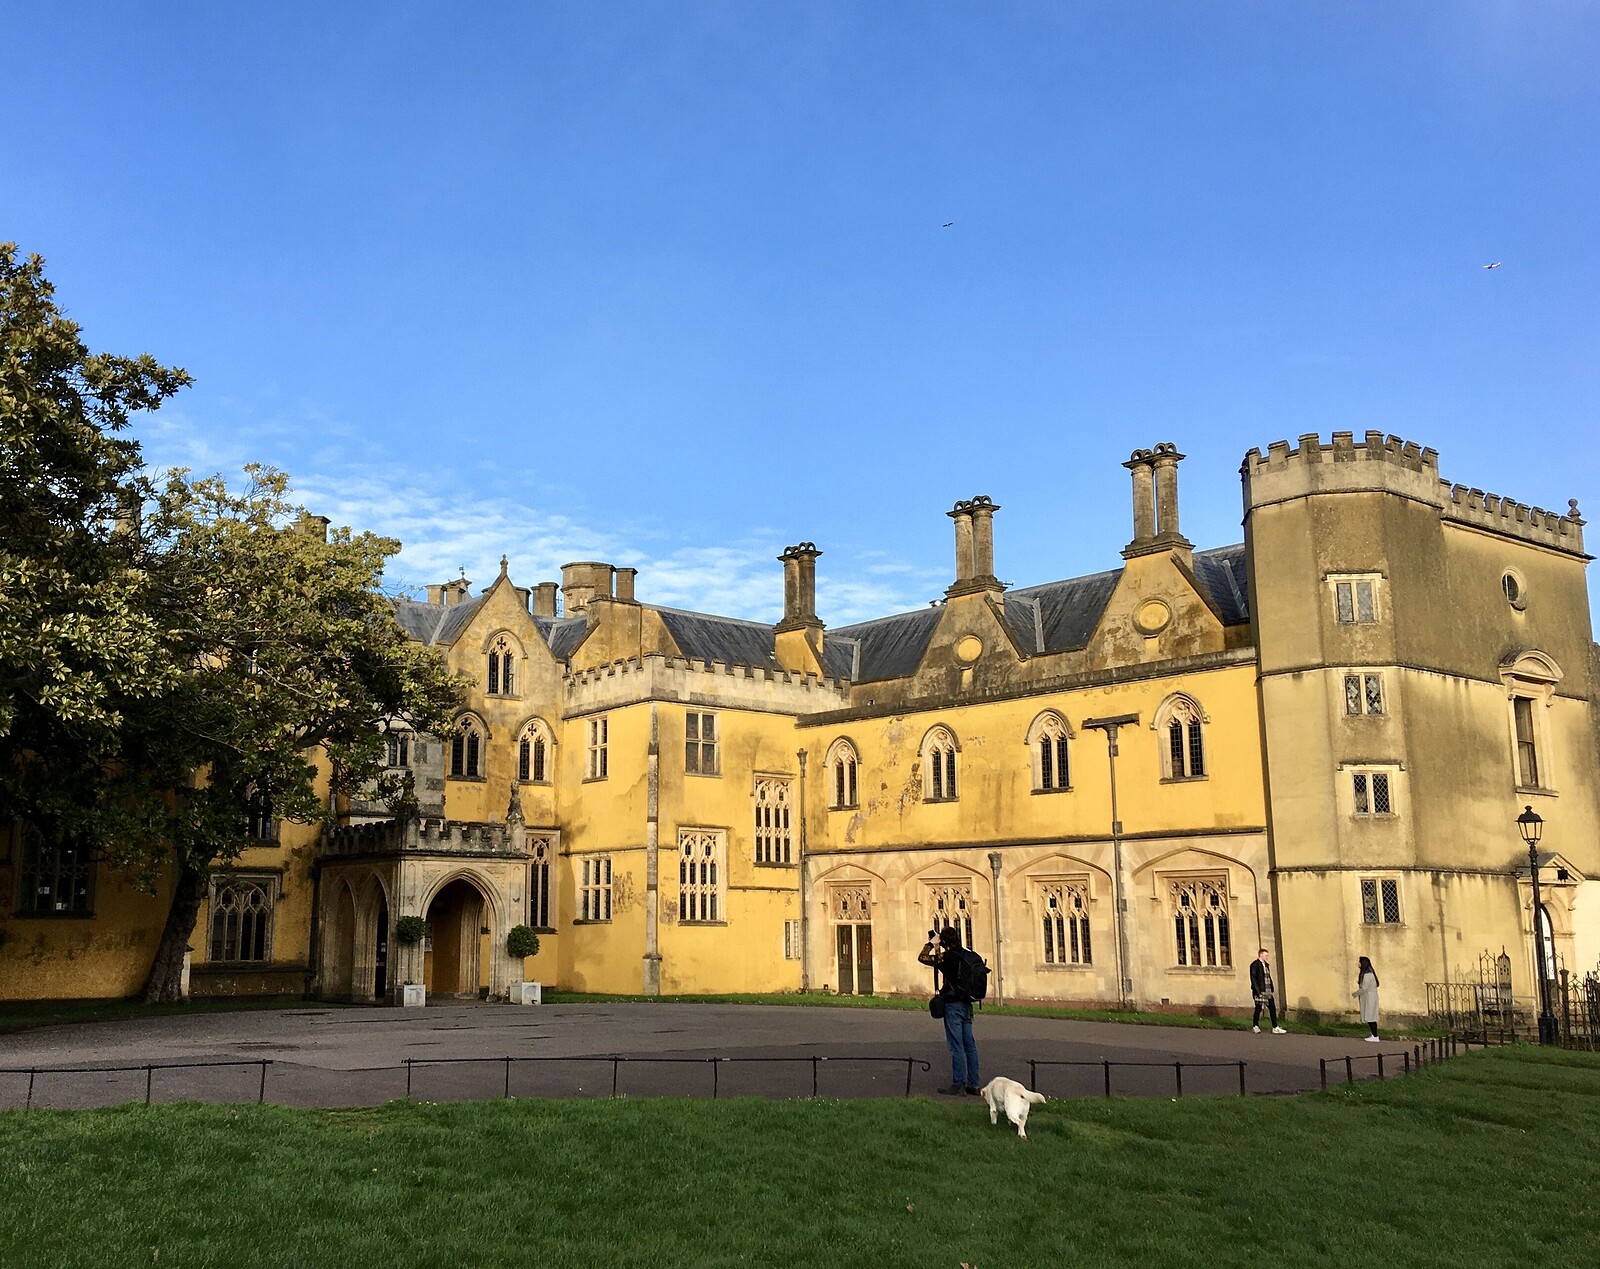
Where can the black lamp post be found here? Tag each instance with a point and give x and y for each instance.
(1531, 825)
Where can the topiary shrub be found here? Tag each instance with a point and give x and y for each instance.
(523, 941)
(411, 929)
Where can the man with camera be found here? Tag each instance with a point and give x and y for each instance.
(943, 952)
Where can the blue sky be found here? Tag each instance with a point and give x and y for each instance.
(671, 284)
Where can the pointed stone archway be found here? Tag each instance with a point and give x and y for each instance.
(354, 936)
(469, 881)
(454, 959)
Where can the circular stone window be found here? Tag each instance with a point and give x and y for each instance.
(1516, 590)
(968, 649)
(1151, 618)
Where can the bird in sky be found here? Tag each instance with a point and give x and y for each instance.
(1492, 265)
(948, 223)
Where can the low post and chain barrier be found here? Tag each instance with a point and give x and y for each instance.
(1176, 1067)
(617, 1060)
(149, 1069)
(1415, 1058)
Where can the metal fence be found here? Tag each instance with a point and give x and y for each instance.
(1354, 1066)
(1487, 1012)
(615, 1075)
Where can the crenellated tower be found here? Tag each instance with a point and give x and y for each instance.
(1424, 674)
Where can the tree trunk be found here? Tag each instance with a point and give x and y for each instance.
(165, 982)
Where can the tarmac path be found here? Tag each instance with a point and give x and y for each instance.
(356, 1056)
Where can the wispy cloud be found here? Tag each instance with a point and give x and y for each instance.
(448, 527)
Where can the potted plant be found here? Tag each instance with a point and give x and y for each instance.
(409, 931)
(521, 943)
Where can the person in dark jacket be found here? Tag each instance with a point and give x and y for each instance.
(1264, 992)
(942, 952)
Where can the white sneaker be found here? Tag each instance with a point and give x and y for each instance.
(1279, 1031)
(1372, 1039)
(1257, 1030)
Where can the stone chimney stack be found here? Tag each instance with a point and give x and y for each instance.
(800, 587)
(974, 519)
(544, 599)
(450, 592)
(313, 526)
(583, 581)
(625, 580)
(1155, 501)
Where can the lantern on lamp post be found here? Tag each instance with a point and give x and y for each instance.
(1531, 825)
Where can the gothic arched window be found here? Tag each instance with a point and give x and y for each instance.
(939, 766)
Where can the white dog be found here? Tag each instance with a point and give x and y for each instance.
(1013, 1098)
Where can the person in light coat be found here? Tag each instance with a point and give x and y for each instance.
(1367, 993)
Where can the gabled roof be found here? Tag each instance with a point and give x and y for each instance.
(563, 634)
(435, 623)
(1222, 573)
(883, 648)
(704, 637)
(1051, 617)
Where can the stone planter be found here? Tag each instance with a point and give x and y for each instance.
(527, 993)
(413, 995)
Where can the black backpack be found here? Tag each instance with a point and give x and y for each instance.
(969, 974)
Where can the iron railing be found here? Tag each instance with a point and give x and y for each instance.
(1136, 1078)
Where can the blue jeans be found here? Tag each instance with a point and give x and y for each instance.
(963, 1048)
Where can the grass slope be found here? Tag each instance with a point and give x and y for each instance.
(1489, 1159)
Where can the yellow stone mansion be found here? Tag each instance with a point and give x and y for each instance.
(1118, 786)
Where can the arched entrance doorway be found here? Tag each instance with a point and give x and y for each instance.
(456, 964)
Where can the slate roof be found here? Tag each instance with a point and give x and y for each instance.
(435, 623)
(1222, 573)
(704, 637)
(885, 647)
(563, 634)
(1051, 617)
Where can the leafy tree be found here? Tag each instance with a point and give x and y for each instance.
(292, 664)
(75, 642)
(174, 661)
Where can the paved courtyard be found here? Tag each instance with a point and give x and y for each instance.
(321, 1056)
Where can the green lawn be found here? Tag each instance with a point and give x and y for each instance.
(1493, 1158)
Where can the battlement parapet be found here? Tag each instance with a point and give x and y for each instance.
(1375, 447)
(660, 677)
(397, 836)
(1388, 464)
(1506, 515)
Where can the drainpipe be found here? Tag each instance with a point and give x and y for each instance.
(999, 941)
(805, 907)
(1119, 899)
(652, 861)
